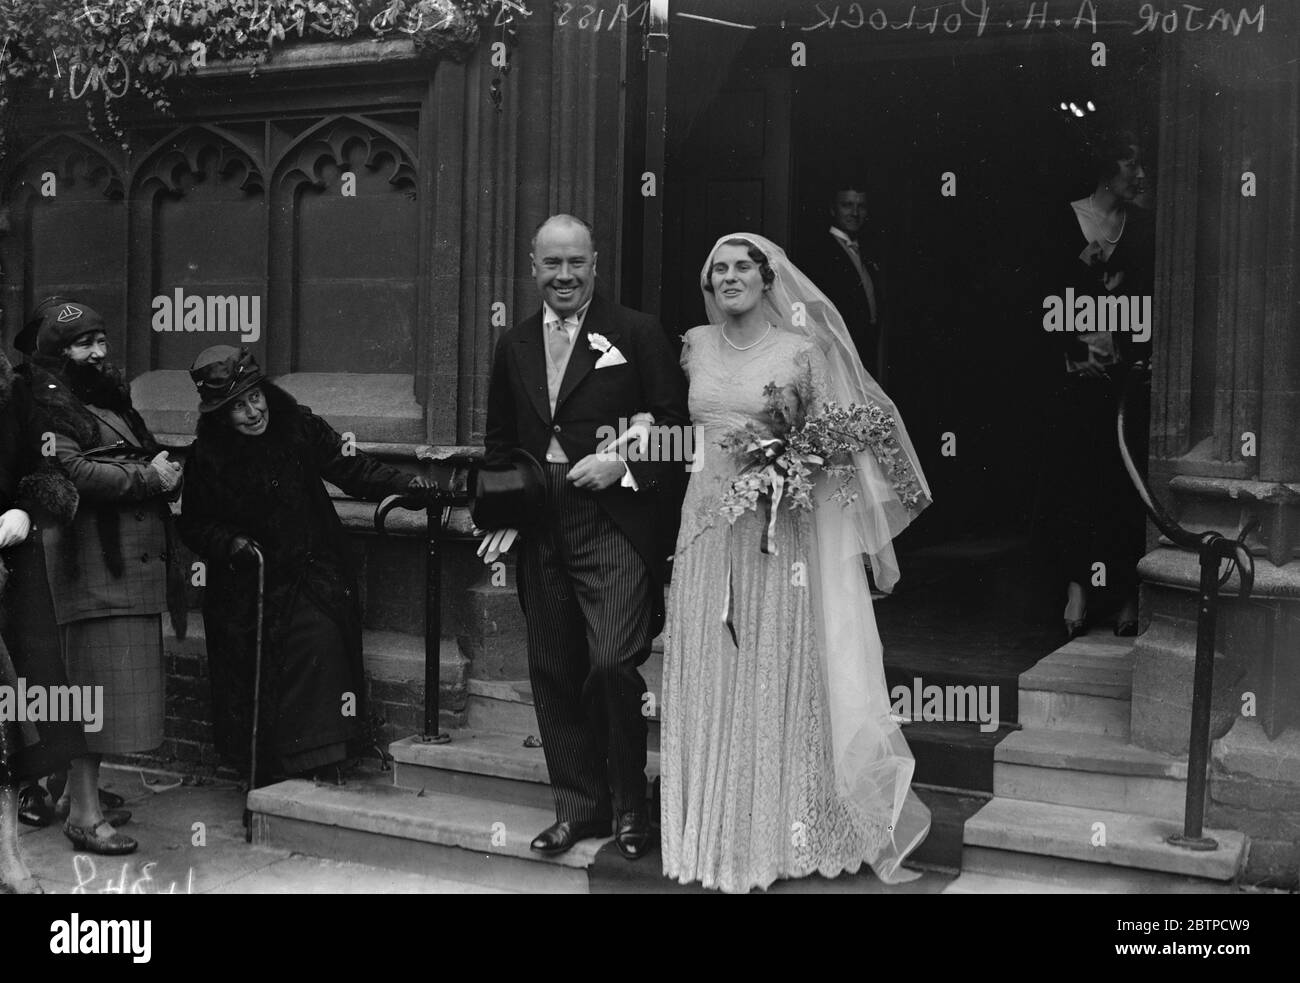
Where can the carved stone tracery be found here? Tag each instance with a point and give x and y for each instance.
(333, 143)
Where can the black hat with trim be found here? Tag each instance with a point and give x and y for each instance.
(62, 324)
(223, 372)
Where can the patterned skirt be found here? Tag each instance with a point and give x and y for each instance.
(748, 781)
(124, 655)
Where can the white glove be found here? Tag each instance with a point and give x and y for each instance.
(14, 527)
(495, 543)
(168, 471)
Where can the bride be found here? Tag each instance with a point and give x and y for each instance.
(779, 757)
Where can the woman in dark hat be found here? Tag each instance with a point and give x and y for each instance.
(108, 569)
(256, 478)
(32, 617)
(32, 491)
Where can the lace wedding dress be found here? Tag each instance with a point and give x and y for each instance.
(748, 779)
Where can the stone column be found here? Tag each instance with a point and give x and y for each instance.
(555, 145)
(1225, 413)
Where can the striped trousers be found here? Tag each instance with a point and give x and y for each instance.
(586, 597)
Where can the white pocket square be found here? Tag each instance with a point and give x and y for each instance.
(611, 357)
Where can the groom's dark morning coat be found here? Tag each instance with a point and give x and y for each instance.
(591, 578)
(519, 411)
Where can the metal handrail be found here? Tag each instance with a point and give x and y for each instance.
(437, 504)
(1212, 548)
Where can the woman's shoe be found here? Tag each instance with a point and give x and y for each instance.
(110, 800)
(1127, 629)
(34, 807)
(110, 844)
(1073, 628)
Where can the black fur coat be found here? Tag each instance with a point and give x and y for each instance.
(270, 489)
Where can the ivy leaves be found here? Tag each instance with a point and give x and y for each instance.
(146, 47)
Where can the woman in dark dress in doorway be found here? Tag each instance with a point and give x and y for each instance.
(256, 482)
(1100, 247)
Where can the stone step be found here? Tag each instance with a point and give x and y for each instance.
(1088, 752)
(973, 883)
(457, 837)
(954, 755)
(1084, 687)
(1141, 795)
(1131, 841)
(1090, 770)
(1010, 872)
(482, 764)
(1076, 712)
(1094, 665)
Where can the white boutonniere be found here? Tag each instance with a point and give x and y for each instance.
(609, 354)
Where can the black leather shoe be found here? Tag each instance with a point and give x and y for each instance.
(34, 807)
(633, 835)
(559, 837)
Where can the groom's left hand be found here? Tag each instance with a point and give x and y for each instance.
(596, 472)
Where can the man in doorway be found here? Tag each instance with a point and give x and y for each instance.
(841, 264)
(590, 573)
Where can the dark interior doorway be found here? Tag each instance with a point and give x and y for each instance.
(757, 144)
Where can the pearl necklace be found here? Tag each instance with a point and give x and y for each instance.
(749, 346)
(1122, 222)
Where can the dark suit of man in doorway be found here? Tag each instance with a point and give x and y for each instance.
(840, 263)
(591, 576)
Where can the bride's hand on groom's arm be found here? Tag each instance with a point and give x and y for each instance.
(596, 472)
(496, 542)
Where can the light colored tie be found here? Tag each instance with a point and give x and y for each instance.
(557, 342)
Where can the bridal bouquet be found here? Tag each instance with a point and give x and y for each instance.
(779, 460)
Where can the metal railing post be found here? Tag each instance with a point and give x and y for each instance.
(436, 503)
(1212, 548)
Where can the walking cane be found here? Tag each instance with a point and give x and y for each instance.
(257, 693)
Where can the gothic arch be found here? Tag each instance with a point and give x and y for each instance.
(330, 141)
(198, 151)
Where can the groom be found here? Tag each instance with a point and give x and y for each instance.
(590, 577)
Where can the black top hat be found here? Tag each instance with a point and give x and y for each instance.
(512, 494)
(221, 373)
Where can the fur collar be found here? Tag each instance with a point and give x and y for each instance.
(68, 414)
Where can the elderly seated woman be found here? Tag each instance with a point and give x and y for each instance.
(256, 488)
